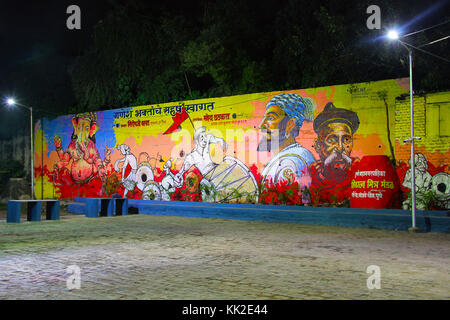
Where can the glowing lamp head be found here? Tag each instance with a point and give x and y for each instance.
(393, 35)
(10, 102)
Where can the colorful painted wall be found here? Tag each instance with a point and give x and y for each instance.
(432, 125)
(322, 146)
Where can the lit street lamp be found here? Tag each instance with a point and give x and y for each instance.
(393, 35)
(12, 102)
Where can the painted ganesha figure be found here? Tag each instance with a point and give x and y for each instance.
(82, 155)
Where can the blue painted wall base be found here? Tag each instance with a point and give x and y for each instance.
(389, 219)
(428, 221)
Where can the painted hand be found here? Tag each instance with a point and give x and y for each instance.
(178, 179)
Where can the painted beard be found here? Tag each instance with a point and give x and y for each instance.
(337, 163)
(265, 144)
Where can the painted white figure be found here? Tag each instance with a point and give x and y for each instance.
(129, 168)
(200, 157)
(168, 183)
(289, 164)
(422, 176)
(422, 181)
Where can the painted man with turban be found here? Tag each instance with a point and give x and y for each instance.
(280, 126)
(330, 178)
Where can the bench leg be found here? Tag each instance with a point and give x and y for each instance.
(53, 210)
(121, 207)
(34, 211)
(110, 208)
(13, 212)
(106, 207)
(125, 207)
(91, 208)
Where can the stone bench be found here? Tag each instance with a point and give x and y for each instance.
(33, 210)
(105, 207)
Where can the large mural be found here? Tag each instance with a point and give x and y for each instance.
(319, 146)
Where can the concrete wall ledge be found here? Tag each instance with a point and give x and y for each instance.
(390, 219)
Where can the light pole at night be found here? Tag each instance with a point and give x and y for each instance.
(12, 102)
(393, 35)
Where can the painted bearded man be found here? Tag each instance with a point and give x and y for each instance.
(281, 125)
(330, 178)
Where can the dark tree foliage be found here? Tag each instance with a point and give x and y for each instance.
(148, 52)
(140, 56)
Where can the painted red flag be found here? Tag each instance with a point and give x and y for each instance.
(178, 119)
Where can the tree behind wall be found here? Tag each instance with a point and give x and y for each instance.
(219, 48)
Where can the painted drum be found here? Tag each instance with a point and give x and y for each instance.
(229, 181)
(375, 184)
(144, 174)
(151, 191)
(440, 184)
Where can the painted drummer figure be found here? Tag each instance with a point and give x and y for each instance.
(200, 156)
(129, 168)
(280, 126)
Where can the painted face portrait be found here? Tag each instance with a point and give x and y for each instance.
(335, 128)
(85, 127)
(421, 162)
(334, 146)
(82, 129)
(202, 140)
(200, 137)
(273, 128)
(282, 120)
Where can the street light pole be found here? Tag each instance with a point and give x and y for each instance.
(11, 102)
(393, 35)
(32, 153)
(413, 167)
(31, 148)
(413, 158)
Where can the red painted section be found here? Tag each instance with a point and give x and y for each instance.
(375, 184)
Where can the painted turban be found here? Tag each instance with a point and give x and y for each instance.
(331, 114)
(294, 106)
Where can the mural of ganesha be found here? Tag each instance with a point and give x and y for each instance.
(80, 164)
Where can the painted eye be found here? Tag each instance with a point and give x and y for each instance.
(332, 140)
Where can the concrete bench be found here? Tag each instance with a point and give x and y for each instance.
(105, 207)
(77, 207)
(33, 210)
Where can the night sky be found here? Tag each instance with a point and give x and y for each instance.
(30, 29)
(33, 30)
